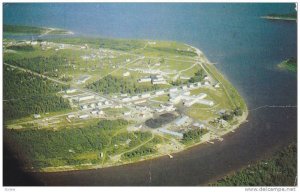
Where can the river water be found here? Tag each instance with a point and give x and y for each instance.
(245, 49)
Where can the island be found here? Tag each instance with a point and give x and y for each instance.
(30, 30)
(87, 103)
(286, 17)
(289, 64)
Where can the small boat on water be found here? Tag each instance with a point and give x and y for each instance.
(171, 157)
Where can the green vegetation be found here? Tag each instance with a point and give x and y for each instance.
(279, 170)
(49, 65)
(21, 47)
(198, 77)
(193, 135)
(27, 30)
(25, 94)
(43, 148)
(116, 44)
(289, 64)
(142, 151)
(110, 84)
(18, 29)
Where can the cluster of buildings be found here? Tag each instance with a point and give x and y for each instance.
(188, 100)
(154, 79)
(165, 108)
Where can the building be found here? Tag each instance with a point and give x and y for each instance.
(159, 92)
(36, 116)
(126, 74)
(174, 89)
(83, 106)
(158, 79)
(126, 99)
(175, 98)
(181, 121)
(85, 116)
(205, 102)
(101, 112)
(92, 105)
(87, 97)
(199, 125)
(135, 97)
(217, 85)
(127, 113)
(71, 90)
(70, 116)
(146, 95)
(94, 112)
(206, 83)
(184, 87)
(177, 134)
(145, 79)
(140, 101)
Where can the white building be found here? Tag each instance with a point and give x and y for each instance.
(145, 79)
(127, 113)
(135, 97)
(94, 112)
(85, 116)
(126, 74)
(177, 134)
(174, 89)
(36, 116)
(87, 97)
(83, 106)
(70, 116)
(71, 90)
(159, 92)
(182, 120)
(146, 95)
(126, 99)
(184, 87)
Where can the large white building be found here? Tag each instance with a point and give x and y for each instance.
(86, 97)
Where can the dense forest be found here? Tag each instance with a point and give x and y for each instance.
(193, 135)
(25, 94)
(110, 84)
(49, 65)
(42, 148)
(279, 170)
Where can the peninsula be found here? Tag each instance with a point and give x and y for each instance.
(287, 17)
(86, 103)
(29, 30)
(289, 64)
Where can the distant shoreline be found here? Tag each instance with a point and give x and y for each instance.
(279, 18)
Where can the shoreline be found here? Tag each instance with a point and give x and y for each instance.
(278, 18)
(205, 139)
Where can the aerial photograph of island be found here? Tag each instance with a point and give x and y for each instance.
(149, 94)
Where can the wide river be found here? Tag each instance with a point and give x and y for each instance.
(245, 49)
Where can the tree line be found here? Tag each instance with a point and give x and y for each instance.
(110, 84)
(25, 94)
